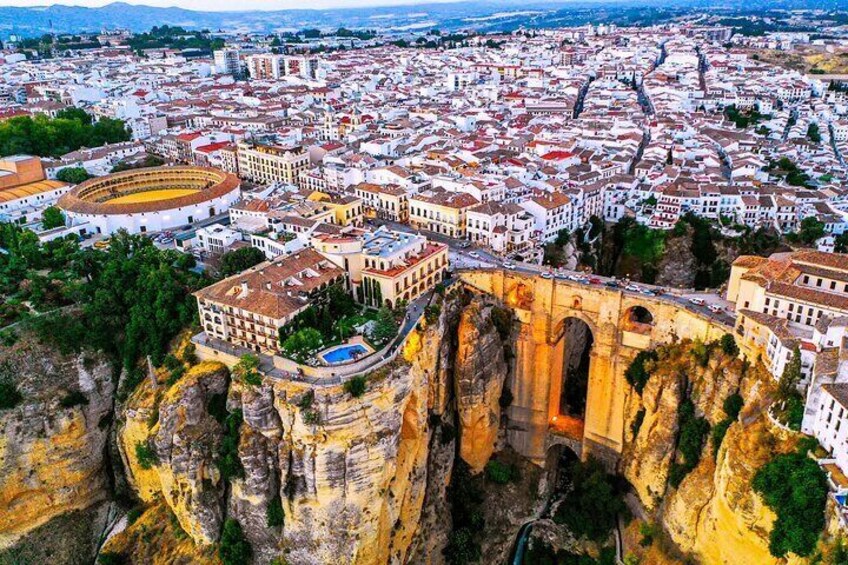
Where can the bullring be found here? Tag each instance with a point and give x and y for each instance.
(151, 199)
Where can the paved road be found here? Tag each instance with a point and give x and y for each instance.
(461, 258)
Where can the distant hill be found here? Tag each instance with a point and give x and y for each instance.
(485, 15)
(70, 19)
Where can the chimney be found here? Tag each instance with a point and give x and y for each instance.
(244, 288)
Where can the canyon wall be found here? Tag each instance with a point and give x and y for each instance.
(52, 443)
(365, 479)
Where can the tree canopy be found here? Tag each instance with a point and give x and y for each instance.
(52, 137)
(237, 260)
(73, 175)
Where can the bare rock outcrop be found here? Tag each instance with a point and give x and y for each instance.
(52, 443)
(479, 376)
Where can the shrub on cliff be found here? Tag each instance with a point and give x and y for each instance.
(234, 548)
(73, 398)
(500, 473)
(228, 461)
(637, 373)
(145, 455)
(274, 513)
(732, 406)
(356, 386)
(693, 434)
(10, 396)
(465, 497)
(795, 488)
(728, 345)
(111, 558)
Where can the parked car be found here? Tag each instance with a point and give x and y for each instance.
(474, 255)
(715, 308)
(508, 265)
(594, 280)
(547, 275)
(697, 301)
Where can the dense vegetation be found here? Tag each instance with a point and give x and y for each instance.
(52, 217)
(629, 249)
(174, 37)
(540, 553)
(795, 488)
(465, 498)
(234, 548)
(128, 302)
(593, 503)
(637, 373)
(71, 129)
(227, 459)
(744, 119)
(692, 435)
(72, 175)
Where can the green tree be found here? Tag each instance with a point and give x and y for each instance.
(247, 369)
(73, 175)
(52, 217)
(813, 133)
(238, 260)
(728, 345)
(234, 549)
(591, 506)
(302, 343)
(795, 488)
(841, 244)
(386, 326)
(810, 230)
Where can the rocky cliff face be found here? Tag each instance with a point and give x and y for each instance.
(715, 500)
(360, 480)
(479, 377)
(52, 444)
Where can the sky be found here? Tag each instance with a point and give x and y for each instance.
(222, 5)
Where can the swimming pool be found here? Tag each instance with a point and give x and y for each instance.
(344, 353)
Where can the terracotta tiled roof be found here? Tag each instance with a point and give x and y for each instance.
(274, 289)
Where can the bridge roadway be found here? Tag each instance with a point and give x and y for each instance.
(279, 367)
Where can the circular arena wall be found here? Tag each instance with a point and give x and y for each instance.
(151, 199)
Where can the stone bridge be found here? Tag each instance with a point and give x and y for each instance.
(618, 324)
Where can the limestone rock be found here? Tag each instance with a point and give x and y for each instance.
(185, 441)
(479, 376)
(52, 456)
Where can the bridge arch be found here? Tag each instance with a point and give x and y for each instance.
(569, 389)
(638, 318)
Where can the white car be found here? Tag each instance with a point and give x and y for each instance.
(632, 288)
(509, 265)
(715, 308)
(573, 277)
(474, 255)
(547, 275)
(697, 301)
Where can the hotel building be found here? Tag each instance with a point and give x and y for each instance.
(248, 309)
